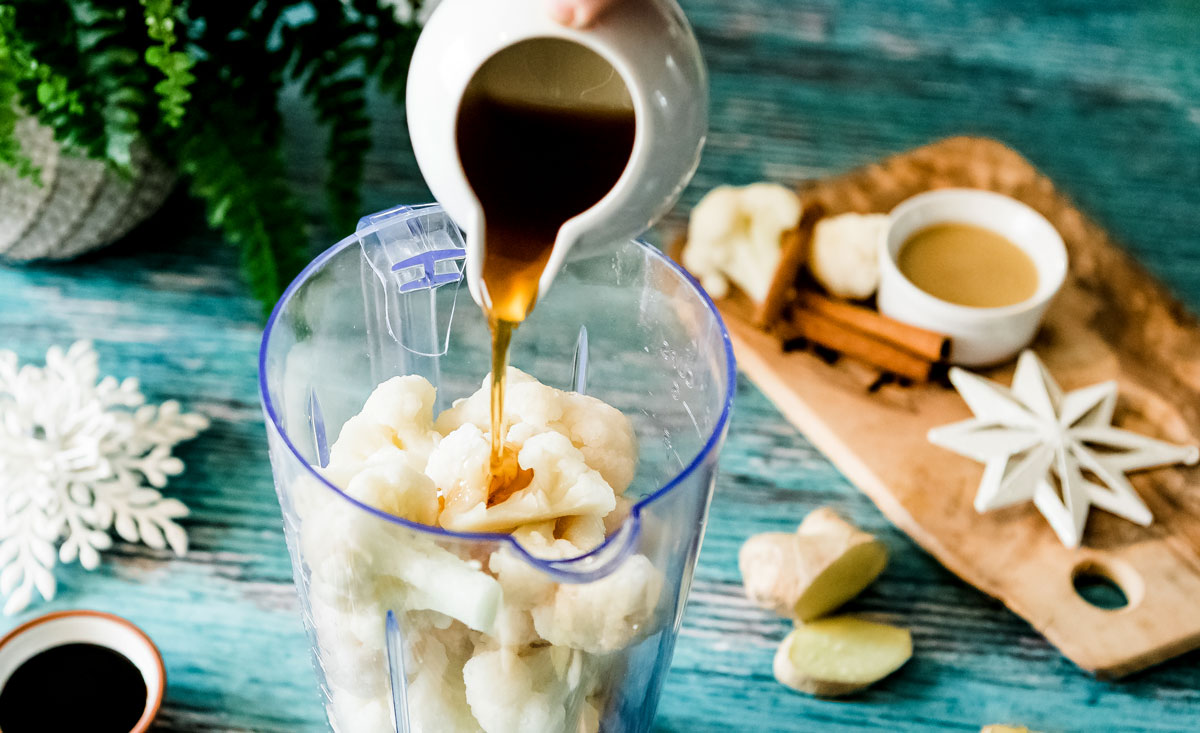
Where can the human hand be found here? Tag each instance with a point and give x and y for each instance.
(579, 13)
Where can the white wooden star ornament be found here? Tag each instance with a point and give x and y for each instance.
(1058, 450)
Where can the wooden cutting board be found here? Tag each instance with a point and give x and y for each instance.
(1111, 321)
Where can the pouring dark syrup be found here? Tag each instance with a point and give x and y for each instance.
(534, 162)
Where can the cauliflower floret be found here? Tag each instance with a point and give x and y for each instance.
(459, 467)
(585, 531)
(614, 519)
(436, 648)
(437, 696)
(398, 489)
(355, 559)
(844, 256)
(477, 408)
(310, 497)
(598, 430)
(514, 627)
(437, 703)
(398, 415)
(736, 234)
(538, 539)
(605, 615)
(351, 647)
(525, 585)
(516, 694)
(605, 437)
(562, 485)
(351, 714)
(406, 405)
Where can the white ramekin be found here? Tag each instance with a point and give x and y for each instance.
(979, 336)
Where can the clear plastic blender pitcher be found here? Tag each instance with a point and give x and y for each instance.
(416, 628)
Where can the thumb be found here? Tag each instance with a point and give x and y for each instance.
(578, 13)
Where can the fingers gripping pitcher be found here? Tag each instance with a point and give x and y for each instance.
(466, 565)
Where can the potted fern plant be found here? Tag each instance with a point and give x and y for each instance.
(105, 104)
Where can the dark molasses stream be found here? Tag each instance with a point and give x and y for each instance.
(73, 687)
(532, 167)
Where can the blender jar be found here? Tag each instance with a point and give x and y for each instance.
(417, 628)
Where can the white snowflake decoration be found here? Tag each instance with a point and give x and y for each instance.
(1032, 437)
(75, 458)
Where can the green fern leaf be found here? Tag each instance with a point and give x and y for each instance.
(175, 65)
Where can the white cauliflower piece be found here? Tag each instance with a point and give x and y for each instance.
(310, 497)
(538, 539)
(614, 519)
(351, 647)
(459, 467)
(514, 627)
(584, 531)
(524, 585)
(437, 696)
(605, 437)
(398, 489)
(398, 414)
(354, 558)
(736, 234)
(516, 694)
(598, 430)
(438, 704)
(605, 615)
(561, 485)
(358, 439)
(436, 648)
(351, 714)
(844, 256)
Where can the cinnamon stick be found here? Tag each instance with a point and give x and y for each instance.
(793, 255)
(928, 345)
(825, 331)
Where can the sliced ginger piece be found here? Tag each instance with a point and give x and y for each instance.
(805, 575)
(840, 655)
(1001, 728)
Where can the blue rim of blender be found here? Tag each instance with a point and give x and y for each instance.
(555, 568)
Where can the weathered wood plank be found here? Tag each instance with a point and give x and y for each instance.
(1100, 95)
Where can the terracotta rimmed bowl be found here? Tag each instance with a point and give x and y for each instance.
(89, 627)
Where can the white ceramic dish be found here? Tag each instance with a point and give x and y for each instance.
(90, 627)
(979, 336)
(650, 45)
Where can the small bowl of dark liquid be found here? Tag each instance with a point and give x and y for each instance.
(79, 671)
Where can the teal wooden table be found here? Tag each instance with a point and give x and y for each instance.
(1103, 95)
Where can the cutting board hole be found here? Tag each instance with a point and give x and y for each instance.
(1096, 584)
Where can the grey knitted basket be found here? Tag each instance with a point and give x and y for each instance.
(81, 205)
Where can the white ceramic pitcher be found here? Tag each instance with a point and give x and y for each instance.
(650, 45)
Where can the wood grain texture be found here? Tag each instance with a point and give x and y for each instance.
(1099, 95)
(1110, 321)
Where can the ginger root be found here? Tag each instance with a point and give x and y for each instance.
(840, 655)
(805, 575)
